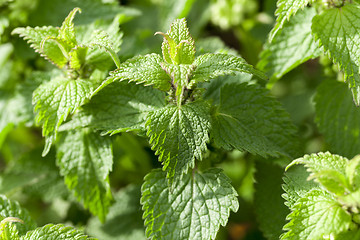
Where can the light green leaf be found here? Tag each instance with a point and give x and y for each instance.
(124, 218)
(67, 29)
(179, 135)
(210, 66)
(58, 232)
(50, 49)
(143, 69)
(355, 234)
(337, 30)
(338, 118)
(10, 208)
(353, 172)
(292, 46)
(194, 209)
(77, 57)
(333, 181)
(178, 46)
(247, 118)
(55, 100)
(286, 9)
(85, 160)
(119, 107)
(316, 216)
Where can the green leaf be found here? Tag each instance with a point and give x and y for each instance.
(50, 50)
(338, 118)
(124, 219)
(77, 57)
(143, 69)
(67, 29)
(58, 232)
(353, 172)
(333, 181)
(337, 30)
(292, 46)
(268, 200)
(210, 66)
(247, 118)
(178, 46)
(179, 135)
(194, 209)
(285, 10)
(316, 216)
(55, 100)
(355, 234)
(85, 160)
(119, 107)
(10, 208)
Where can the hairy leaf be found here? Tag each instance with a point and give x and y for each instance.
(209, 66)
(58, 232)
(55, 100)
(50, 49)
(247, 118)
(315, 216)
(338, 31)
(286, 9)
(10, 208)
(292, 46)
(67, 29)
(143, 69)
(179, 135)
(85, 160)
(119, 107)
(194, 209)
(338, 118)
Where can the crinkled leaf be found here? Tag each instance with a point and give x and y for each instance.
(338, 31)
(67, 29)
(353, 172)
(85, 160)
(55, 100)
(338, 118)
(333, 181)
(194, 209)
(10, 208)
(124, 219)
(119, 107)
(179, 135)
(292, 46)
(58, 232)
(285, 10)
(247, 118)
(180, 74)
(50, 50)
(77, 56)
(316, 216)
(178, 46)
(143, 69)
(210, 66)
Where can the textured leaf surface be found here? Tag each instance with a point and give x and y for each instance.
(119, 107)
(338, 32)
(10, 208)
(85, 160)
(247, 118)
(143, 69)
(67, 29)
(55, 100)
(52, 232)
(286, 9)
(338, 118)
(179, 135)
(194, 209)
(178, 46)
(315, 216)
(124, 219)
(209, 66)
(292, 46)
(50, 50)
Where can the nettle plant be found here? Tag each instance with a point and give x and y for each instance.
(324, 204)
(175, 100)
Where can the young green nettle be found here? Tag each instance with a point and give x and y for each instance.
(81, 54)
(326, 203)
(179, 114)
(302, 33)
